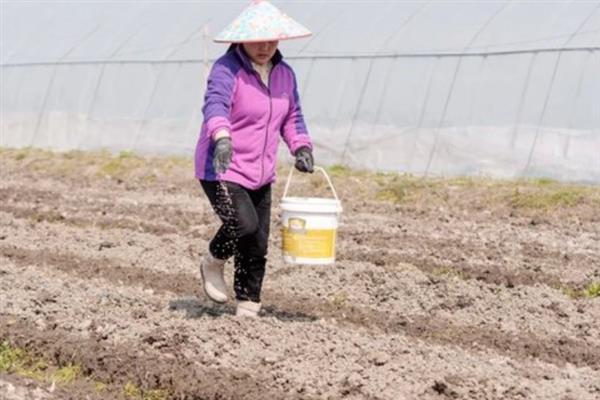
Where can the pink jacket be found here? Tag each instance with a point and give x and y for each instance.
(255, 115)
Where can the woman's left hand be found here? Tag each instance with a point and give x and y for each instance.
(304, 160)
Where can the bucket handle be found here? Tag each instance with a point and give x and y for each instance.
(316, 168)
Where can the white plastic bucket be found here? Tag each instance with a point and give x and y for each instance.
(310, 224)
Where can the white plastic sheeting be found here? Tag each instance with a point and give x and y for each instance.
(499, 88)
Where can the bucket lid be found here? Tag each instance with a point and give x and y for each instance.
(311, 204)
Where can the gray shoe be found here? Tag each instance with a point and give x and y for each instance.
(247, 309)
(213, 281)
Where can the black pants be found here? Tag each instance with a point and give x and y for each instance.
(246, 215)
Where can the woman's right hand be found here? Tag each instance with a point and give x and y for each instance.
(222, 154)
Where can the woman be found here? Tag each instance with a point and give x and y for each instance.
(251, 99)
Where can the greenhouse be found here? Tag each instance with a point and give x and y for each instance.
(501, 89)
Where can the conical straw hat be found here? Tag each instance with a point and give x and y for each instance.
(261, 21)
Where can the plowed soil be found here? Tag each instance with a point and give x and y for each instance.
(442, 289)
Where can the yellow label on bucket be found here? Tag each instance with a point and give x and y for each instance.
(309, 243)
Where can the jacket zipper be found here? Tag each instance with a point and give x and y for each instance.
(268, 87)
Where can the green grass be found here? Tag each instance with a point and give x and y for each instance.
(20, 155)
(100, 387)
(132, 391)
(17, 361)
(572, 293)
(549, 199)
(67, 374)
(447, 272)
(591, 291)
(14, 360)
(11, 357)
(464, 181)
(401, 189)
(121, 165)
(73, 155)
(544, 181)
(533, 195)
(156, 394)
(340, 299)
(126, 154)
(521, 195)
(338, 170)
(101, 163)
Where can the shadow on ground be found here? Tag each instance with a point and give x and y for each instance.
(196, 308)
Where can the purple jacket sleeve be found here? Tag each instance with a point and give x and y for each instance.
(217, 99)
(294, 130)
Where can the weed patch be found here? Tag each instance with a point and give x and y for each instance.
(11, 358)
(132, 391)
(447, 272)
(17, 361)
(67, 374)
(340, 299)
(401, 189)
(591, 291)
(338, 170)
(544, 200)
(544, 181)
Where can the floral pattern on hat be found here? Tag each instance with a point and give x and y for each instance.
(261, 21)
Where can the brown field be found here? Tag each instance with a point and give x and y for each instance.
(442, 289)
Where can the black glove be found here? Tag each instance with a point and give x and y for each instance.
(222, 154)
(304, 160)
